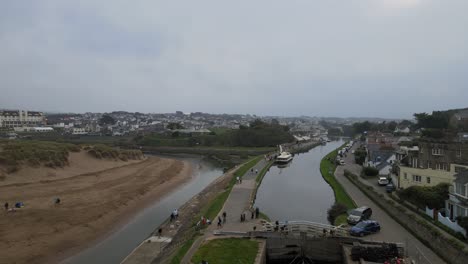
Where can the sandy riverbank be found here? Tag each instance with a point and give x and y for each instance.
(93, 203)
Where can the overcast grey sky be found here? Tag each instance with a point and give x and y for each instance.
(379, 58)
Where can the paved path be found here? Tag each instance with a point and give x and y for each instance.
(238, 202)
(391, 230)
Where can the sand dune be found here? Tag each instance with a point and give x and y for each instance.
(93, 203)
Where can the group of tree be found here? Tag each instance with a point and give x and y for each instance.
(257, 134)
(433, 197)
(173, 126)
(360, 156)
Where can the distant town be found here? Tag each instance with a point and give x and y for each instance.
(120, 123)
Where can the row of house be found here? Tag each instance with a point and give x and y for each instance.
(424, 162)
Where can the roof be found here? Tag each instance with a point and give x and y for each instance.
(462, 177)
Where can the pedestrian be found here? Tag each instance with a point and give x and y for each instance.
(6, 206)
(256, 171)
(219, 221)
(176, 214)
(241, 180)
(224, 217)
(172, 217)
(57, 201)
(243, 215)
(252, 214)
(242, 219)
(257, 212)
(237, 179)
(159, 232)
(254, 228)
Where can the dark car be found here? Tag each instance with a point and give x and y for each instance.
(359, 214)
(390, 187)
(365, 228)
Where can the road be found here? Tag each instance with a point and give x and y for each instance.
(391, 230)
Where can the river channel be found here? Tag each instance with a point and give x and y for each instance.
(116, 247)
(298, 191)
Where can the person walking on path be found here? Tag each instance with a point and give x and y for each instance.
(252, 214)
(224, 217)
(6, 206)
(237, 179)
(219, 221)
(257, 212)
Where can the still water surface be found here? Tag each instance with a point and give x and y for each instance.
(298, 192)
(117, 246)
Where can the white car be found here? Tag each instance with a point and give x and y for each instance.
(383, 181)
(342, 162)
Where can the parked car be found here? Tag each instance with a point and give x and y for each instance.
(383, 181)
(365, 228)
(359, 214)
(390, 187)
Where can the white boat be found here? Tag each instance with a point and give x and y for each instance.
(284, 156)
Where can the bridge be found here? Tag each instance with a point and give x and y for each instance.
(311, 229)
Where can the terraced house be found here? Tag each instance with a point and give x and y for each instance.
(434, 161)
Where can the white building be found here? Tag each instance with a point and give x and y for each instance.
(79, 131)
(21, 118)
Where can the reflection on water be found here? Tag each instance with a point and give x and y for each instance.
(297, 191)
(116, 247)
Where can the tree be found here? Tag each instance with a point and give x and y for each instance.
(433, 197)
(106, 120)
(173, 126)
(336, 210)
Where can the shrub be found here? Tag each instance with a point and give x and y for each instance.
(336, 210)
(370, 171)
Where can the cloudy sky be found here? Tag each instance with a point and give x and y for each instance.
(379, 58)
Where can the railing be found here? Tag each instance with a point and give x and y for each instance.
(310, 228)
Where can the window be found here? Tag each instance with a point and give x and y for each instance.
(416, 178)
(406, 176)
(444, 166)
(436, 151)
(437, 166)
(429, 164)
(428, 179)
(460, 189)
(459, 169)
(458, 153)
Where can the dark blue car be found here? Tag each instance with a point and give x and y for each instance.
(364, 228)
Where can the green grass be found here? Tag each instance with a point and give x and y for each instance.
(227, 251)
(264, 217)
(179, 255)
(246, 167)
(327, 168)
(215, 206)
(35, 153)
(262, 173)
(341, 219)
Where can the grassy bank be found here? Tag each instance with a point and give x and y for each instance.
(327, 169)
(212, 209)
(229, 250)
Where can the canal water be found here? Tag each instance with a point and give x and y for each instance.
(298, 191)
(117, 246)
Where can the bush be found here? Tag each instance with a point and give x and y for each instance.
(370, 171)
(336, 210)
(431, 196)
